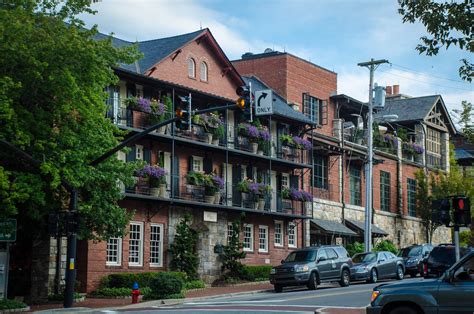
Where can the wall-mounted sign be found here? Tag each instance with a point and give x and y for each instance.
(8, 230)
(210, 216)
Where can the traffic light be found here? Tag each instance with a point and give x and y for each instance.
(461, 210)
(183, 113)
(72, 222)
(441, 211)
(53, 225)
(244, 101)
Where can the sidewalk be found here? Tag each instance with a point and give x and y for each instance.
(192, 294)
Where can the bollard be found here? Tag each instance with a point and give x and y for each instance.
(135, 293)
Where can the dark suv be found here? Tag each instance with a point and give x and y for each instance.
(311, 266)
(441, 258)
(413, 258)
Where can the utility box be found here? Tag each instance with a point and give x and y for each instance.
(379, 97)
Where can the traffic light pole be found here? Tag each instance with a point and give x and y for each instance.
(456, 243)
(71, 256)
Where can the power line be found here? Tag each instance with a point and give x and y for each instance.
(428, 75)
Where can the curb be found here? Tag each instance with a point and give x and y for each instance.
(22, 309)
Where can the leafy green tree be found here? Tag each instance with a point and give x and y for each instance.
(466, 120)
(386, 245)
(424, 200)
(354, 248)
(52, 106)
(232, 252)
(183, 249)
(448, 24)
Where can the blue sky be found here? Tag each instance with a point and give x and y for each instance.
(335, 34)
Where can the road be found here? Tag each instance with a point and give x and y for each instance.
(328, 298)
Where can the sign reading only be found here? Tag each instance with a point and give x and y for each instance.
(8, 230)
(263, 102)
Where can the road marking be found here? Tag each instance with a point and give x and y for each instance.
(231, 302)
(323, 295)
(238, 310)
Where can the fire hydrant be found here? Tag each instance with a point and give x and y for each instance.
(135, 293)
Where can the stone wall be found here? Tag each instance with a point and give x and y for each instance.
(53, 248)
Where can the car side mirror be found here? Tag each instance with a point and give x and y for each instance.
(322, 259)
(282, 261)
(447, 276)
(381, 260)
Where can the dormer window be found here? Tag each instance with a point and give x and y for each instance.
(191, 68)
(203, 71)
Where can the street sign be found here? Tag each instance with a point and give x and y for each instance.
(263, 102)
(8, 230)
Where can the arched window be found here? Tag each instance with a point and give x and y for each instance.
(203, 71)
(191, 68)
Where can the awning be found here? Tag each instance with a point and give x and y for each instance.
(332, 227)
(359, 226)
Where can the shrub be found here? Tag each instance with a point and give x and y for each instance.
(11, 304)
(257, 273)
(194, 284)
(183, 249)
(232, 253)
(118, 292)
(166, 284)
(386, 245)
(151, 296)
(355, 248)
(126, 280)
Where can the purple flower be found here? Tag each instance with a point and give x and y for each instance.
(295, 194)
(298, 140)
(306, 196)
(218, 182)
(265, 135)
(418, 149)
(160, 109)
(306, 144)
(254, 188)
(144, 105)
(154, 172)
(252, 131)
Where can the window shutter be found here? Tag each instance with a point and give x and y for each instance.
(147, 155)
(131, 155)
(236, 175)
(190, 163)
(250, 171)
(131, 90)
(207, 165)
(175, 176)
(323, 118)
(147, 92)
(294, 182)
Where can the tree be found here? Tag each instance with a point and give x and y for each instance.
(232, 252)
(52, 106)
(183, 248)
(447, 23)
(466, 120)
(424, 207)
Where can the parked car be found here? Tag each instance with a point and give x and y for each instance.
(311, 266)
(452, 293)
(373, 266)
(441, 258)
(413, 258)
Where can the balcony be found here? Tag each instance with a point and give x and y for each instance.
(136, 119)
(178, 191)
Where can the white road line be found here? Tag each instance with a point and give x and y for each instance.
(239, 310)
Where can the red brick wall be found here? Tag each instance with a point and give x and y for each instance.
(219, 82)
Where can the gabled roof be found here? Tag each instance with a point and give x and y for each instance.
(280, 106)
(156, 50)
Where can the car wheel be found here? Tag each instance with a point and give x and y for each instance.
(345, 278)
(400, 274)
(373, 276)
(313, 281)
(403, 310)
(278, 288)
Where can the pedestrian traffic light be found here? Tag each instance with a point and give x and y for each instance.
(441, 211)
(53, 225)
(183, 114)
(244, 101)
(72, 222)
(461, 211)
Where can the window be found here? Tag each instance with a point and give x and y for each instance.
(230, 230)
(156, 245)
(433, 143)
(203, 71)
(411, 196)
(285, 180)
(291, 235)
(278, 233)
(354, 185)
(248, 238)
(313, 108)
(331, 254)
(263, 239)
(135, 244)
(139, 152)
(191, 68)
(114, 252)
(321, 172)
(385, 191)
(197, 164)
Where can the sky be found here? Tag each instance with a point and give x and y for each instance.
(334, 34)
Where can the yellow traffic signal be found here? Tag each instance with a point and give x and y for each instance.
(241, 103)
(179, 113)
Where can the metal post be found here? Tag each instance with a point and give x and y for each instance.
(456, 242)
(189, 111)
(368, 167)
(251, 101)
(71, 256)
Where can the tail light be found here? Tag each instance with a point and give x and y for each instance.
(425, 268)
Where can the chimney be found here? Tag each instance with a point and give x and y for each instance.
(388, 90)
(396, 89)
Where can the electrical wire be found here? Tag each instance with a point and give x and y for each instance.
(424, 74)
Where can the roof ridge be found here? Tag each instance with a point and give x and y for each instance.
(171, 37)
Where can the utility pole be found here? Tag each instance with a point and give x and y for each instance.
(372, 66)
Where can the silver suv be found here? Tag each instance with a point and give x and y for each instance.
(311, 266)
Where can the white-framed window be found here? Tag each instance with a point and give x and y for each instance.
(248, 238)
(263, 239)
(156, 245)
(114, 252)
(203, 71)
(135, 244)
(292, 234)
(230, 230)
(139, 91)
(285, 180)
(198, 163)
(278, 233)
(191, 68)
(139, 152)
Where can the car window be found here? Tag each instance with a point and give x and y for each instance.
(466, 271)
(301, 256)
(331, 254)
(427, 249)
(390, 255)
(443, 254)
(411, 251)
(342, 252)
(364, 258)
(322, 253)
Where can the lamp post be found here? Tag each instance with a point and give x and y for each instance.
(371, 65)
